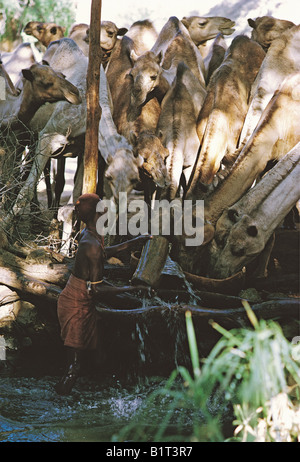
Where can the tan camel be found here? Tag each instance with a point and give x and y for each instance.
(277, 132)
(44, 32)
(20, 58)
(42, 85)
(221, 118)
(153, 73)
(265, 29)
(153, 172)
(8, 85)
(215, 56)
(66, 123)
(177, 124)
(147, 78)
(282, 59)
(133, 119)
(143, 34)
(78, 33)
(109, 34)
(203, 29)
(245, 229)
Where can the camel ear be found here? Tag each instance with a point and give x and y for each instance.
(133, 56)
(251, 23)
(109, 159)
(122, 31)
(139, 160)
(132, 138)
(159, 57)
(28, 75)
(185, 22)
(160, 135)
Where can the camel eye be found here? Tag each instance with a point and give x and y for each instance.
(48, 85)
(202, 24)
(153, 77)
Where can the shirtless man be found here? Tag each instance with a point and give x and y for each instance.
(76, 304)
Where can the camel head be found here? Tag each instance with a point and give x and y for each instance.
(202, 29)
(44, 32)
(145, 76)
(109, 33)
(151, 149)
(47, 86)
(122, 171)
(266, 29)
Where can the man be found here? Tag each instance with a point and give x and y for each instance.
(76, 304)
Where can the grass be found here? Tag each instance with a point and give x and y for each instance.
(254, 372)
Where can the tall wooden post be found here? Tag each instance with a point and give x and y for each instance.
(92, 101)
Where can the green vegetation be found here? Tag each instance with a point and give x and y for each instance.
(251, 376)
(14, 15)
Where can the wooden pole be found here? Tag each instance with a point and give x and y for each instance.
(92, 101)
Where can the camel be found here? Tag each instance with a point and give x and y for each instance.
(203, 29)
(154, 71)
(282, 59)
(8, 85)
(148, 79)
(174, 45)
(245, 229)
(153, 172)
(215, 56)
(68, 122)
(133, 119)
(78, 33)
(177, 125)
(20, 58)
(265, 29)
(275, 136)
(221, 118)
(183, 49)
(122, 171)
(167, 34)
(109, 34)
(143, 34)
(56, 124)
(44, 32)
(41, 85)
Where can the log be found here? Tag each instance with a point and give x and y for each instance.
(50, 273)
(92, 102)
(153, 340)
(29, 285)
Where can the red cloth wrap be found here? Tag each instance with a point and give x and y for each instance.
(77, 315)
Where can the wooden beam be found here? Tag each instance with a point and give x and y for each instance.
(92, 101)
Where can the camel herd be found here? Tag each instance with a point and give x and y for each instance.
(186, 111)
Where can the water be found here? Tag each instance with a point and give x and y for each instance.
(31, 411)
(96, 411)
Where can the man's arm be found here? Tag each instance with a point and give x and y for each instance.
(112, 250)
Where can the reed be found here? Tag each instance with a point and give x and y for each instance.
(252, 373)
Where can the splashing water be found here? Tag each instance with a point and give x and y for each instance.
(31, 411)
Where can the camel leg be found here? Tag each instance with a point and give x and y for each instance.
(59, 181)
(47, 173)
(47, 144)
